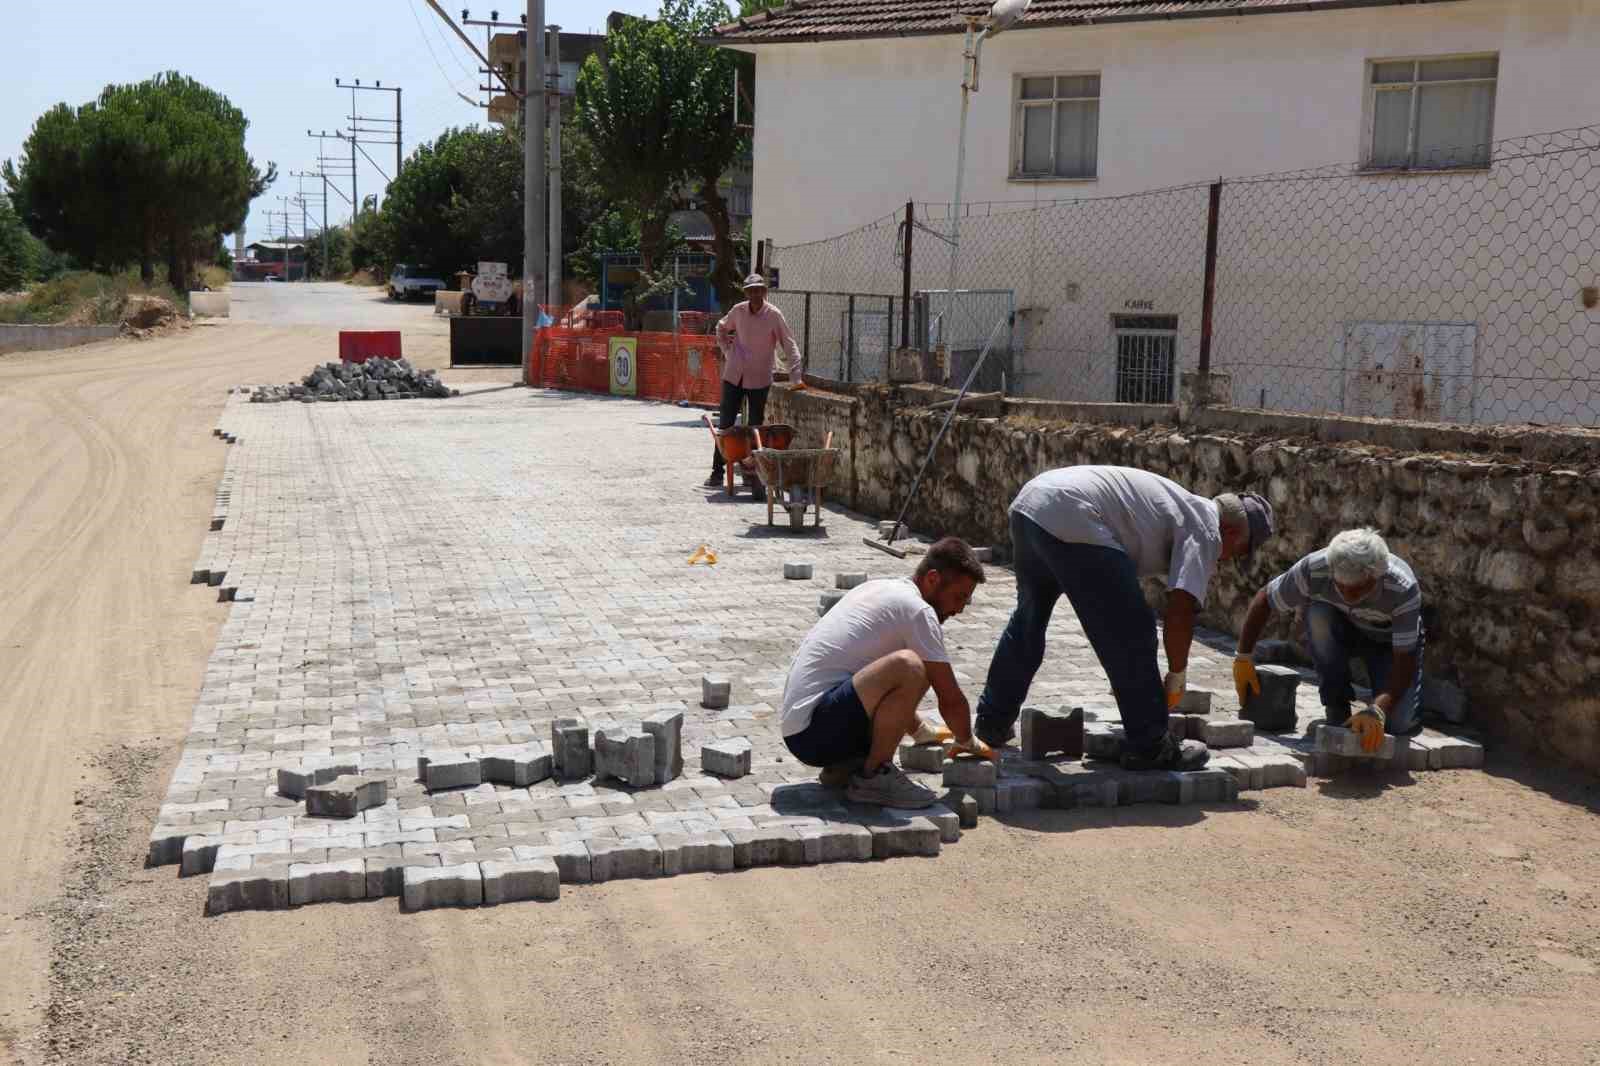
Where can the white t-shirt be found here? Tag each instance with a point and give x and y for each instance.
(873, 620)
(1167, 530)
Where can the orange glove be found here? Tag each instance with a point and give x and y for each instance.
(1175, 684)
(975, 747)
(1368, 725)
(1245, 681)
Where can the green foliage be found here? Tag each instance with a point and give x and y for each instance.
(368, 247)
(146, 171)
(338, 262)
(18, 252)
(616, 232)
(82, 296)
(456, 201)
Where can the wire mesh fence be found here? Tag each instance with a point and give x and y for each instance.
(1465, 289)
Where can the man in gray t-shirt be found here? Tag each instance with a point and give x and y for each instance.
(1090, 533)
(1360, 601)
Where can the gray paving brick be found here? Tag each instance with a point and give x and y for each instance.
(571, 758)
(835, 842)
(967, 772)
(612, 860)
(797, 571)
(427, 887)
(1102, 740)
(715, 691)
(346, 796)
(826, 601)
(666, 729)
(1195, 701)
(727, 758)
(913, 836)
(1047, 732)
(1272, 709)
(510, 882)
(1337, 740)
(922, 758)
(774, 846)
(518, 766)
(322, 882)
(1227, 733)
(626, 756)
(443, 770)
(571, 859)
(261, 888)
(698, 852)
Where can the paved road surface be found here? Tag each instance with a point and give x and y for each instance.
(1136, 935)
(332, 304)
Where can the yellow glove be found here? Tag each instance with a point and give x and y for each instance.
(928, 733)
(1175, 686)
(975, 747)
(1368, 725)
(1245, 681)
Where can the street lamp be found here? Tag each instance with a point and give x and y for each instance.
(1003, 15)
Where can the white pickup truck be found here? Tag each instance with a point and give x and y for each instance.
(413, 282)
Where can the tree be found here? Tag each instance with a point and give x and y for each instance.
(18, 251)
(156, 170)
(338, 261)
(455, 201)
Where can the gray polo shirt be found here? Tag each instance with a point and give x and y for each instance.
(1166, 530)
(1391, 613)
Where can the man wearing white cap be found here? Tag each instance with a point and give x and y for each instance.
(750, 336)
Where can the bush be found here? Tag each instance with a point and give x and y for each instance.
(83, 298)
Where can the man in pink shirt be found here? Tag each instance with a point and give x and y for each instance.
(750, 336)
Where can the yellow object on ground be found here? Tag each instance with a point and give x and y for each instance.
(705, 555)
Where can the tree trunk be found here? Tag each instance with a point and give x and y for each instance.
(174, 263)
(725, 275)
(652, 239)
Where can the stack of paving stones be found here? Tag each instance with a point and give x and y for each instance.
(375, 379)
(459, 617)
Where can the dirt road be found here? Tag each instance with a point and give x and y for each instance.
(1451, 920)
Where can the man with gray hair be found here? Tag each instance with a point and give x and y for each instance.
(1363, 602)
(1090, 533)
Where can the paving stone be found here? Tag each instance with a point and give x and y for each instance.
(1451, 752)
(968, 772)
(726, 758)
(511, 882)
(774, 846)
(426, 887)
(1272, 709)
(612, 860)
(794, 571)
(385, 873)
(294, 780)
(826, 601)
(914, 836)
(1046, 733)
(629, 757)
(451, 770)
(703, 851)
(199, 853)
(262, 888)
(986, 799)
(1102, 740)
(666, 727)
(1195, 701)
(835, 842)
(1337, 740)
(1227, 733)
(517, 766)
(571, 758)
(922, 758)
(1016, 794)
(166, 842)
(948, 821)
(572, 859)
(327, 881)
(849, 579)
(715, 691)
(346, 796)
(967, 809)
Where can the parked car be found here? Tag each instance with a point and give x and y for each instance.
(413, 282)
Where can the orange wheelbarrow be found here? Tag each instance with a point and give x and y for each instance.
(738, 444)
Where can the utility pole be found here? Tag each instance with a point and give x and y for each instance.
(306, 225)
(553, 98)
(324, 163)
(356, 118)
(533, 193)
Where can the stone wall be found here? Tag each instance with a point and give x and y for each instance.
(20, 338)
(1504, 545)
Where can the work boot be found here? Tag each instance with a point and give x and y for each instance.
(888, 786)
(1168, 755)
(992, 733)
(838, 775)
(713, 480)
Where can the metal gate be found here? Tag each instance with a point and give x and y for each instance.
(1147, 350)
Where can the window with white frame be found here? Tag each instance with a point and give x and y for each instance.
(1056, 127)
(1431, 114)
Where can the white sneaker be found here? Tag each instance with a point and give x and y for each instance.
(890, 787)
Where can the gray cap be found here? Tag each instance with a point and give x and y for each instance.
(754, 281)
(1249, 508)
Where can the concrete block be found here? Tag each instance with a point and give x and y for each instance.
(922, 758)
(1195, 701)
(715, 691)
(346, 796)
(321, 882)
(612, 860)
(385, 874)
(263, 888)
(986, 799)
(948, 821)
(1247, 773)
(1207, 785)
(849, 580)
(209, 304)
(1102, 740)
(1227, 733)
(571, 859)
(1096, 791)
(914, 836)
(628, 757)
(451, 769)
(967, 810)
(726, 758)
(1046, 733)
(835, 842)
(1457, 753)
(166, 841)
(968, 772)
(666, 727)
(294, 780)
(888, 527)
(772, 846)
(199, 853)
(570, 757)
(705, 851)
(826, 601)
(1015, 794)
(509, 882)
(1282, 770)
(1337, 740)
(1272, 710)
(518, 766)
(426, 887)
(797, 571)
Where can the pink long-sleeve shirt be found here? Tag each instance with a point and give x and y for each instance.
(750, 341)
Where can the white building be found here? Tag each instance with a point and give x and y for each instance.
(1435, 267)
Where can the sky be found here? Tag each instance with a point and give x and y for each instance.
(277, 61)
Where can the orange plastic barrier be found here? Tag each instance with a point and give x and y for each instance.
(670, 367)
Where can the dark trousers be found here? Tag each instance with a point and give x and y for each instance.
(1334, 641)
(1102, 585)
(732, 396)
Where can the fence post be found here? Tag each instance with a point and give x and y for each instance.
(805, 335)
(850, 339)
(761, 258)
(888, 340)
(1209, 297)
(905, 280)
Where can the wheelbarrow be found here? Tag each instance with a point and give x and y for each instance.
(794, 478)
(739, 443)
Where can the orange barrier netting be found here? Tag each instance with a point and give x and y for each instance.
(671, 367)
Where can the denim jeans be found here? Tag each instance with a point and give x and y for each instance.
(732, 396)
(1334, 641)
(1102, 585)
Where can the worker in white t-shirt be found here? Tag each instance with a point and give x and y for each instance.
(853, 690)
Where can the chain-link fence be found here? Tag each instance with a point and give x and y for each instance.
(1468, 291)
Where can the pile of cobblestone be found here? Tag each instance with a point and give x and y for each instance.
(375, 379)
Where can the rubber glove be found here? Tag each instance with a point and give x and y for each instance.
(1245, 681)
(973, 746)
(928, 733)
(1368, 725)
(1175, 686)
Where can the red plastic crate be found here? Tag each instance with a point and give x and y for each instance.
(357, 346)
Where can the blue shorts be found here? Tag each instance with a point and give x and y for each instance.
(839, 731)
